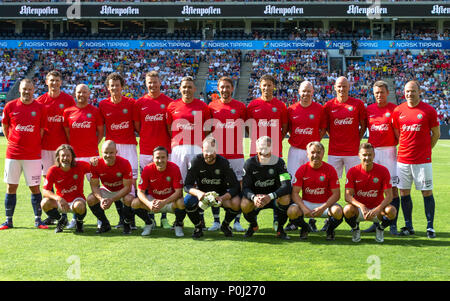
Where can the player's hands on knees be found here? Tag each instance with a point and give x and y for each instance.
(366, 212)
(63, 205)
(105, 203)
(374, 213)
(157, 205)
(307, 212)
(317, 212)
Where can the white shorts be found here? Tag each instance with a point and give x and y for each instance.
(387, 156)
(238, 167)
(71, 205)
(145, 160)
(129, 152)
(182, 156)
(338, 162)
(296, 158)
(422, 174)
(361, 217)
(166, 209)
(48, 160)
(31, 171)
(312, 206)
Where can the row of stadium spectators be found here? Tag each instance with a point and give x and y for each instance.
(430, 68)
(230, 34)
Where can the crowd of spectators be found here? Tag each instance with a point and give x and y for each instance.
(223, 62)
(92, 66)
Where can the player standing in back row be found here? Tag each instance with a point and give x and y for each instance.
(417, 126)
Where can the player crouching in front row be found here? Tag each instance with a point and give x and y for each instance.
(319, 186)
(217, 185)
(160, 190)
(67, 176)
(266, 184)
(368, 192)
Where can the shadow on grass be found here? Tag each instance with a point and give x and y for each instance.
(268, 236)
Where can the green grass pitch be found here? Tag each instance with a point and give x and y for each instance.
(30, 254)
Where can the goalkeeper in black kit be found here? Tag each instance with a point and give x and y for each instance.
(210, 181)
(266, 184)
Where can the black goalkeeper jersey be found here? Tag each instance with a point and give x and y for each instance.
(218, 177)
(265, 179)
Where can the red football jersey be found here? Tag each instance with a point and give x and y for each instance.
(415, 126)
(268, 117)
(68, 184)
(187, 120)
(343, 125)
(112, 176)
(316, 183)
(25, 122)
(369, 186)
(82, 124)
(305, 123)
(161, 184)
(54, 135)
(228, 127)
(379, 123)
(152, 115)
(118, 120)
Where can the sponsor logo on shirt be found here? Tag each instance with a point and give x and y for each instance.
(157, 117)
(305, 131)
(120, 126)
(114, 184)
(268, 123)
(162, 192)
(25, 128)
(367, 194)
(380, 127)
(411, 128)
(81, 125)
(316, 191)
(206, 181)
(56, 118)
(345, 121)
(266, 183)
(70, 190)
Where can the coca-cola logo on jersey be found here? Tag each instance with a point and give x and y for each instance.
(316, 191)
(162, 192)
(206, 181)
(25, 128)
(345, 121)
(157, 117)
(56, 118)
(120, 126)
(115, 184)
(71, 189)
(226, 125)
(368, 194)
(380, 127)
(81, 125)
(306, 131)
(185, 126)
(266, 183)
(411, 128)
(268, 123)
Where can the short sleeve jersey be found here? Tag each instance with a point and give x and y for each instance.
(269, 116)
(112, 176)
(152, 115)
(54, 135)
(228, 123)
(186, 121)
(82, 124)
(343, 125)
(316, 183)
(68, 184)
(118, 120)
(379, 123)
(305, 123)
(25, 122)
(161, 184)
(369, 186)
(415, 126)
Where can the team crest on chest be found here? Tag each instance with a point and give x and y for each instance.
(33, 113)
(61, 106)
(311, 116)
(387, 114)
(75, 177)
(217, 171)
(322, 178)
(162, 106)
(194, 113)
(233, 111)
(375, 180)
(350, 108)
(125, 111)
(89, 115)
(419, 116)
(274, 109)
(168, 178)
(119, 174)
(271, 171)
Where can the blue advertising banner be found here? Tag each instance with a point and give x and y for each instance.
(244, 44)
